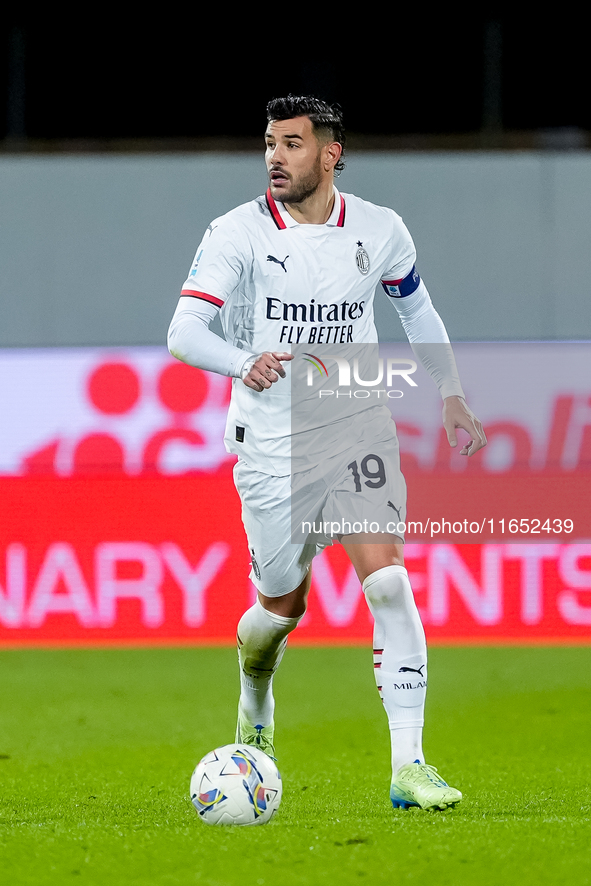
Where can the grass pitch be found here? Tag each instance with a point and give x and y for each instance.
(97, 747)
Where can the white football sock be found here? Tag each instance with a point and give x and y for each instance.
(400, 660)
(262, 638)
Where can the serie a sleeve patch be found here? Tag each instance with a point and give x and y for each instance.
(405, 286)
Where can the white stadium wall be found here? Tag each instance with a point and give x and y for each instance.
(94, 249)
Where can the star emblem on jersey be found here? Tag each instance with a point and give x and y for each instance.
(362, 259)
(278, 262)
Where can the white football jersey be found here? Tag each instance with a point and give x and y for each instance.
(280, 283)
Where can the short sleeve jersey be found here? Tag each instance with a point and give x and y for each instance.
(279, 283)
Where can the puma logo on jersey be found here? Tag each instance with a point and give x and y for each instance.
(394, 508)
(418, 671)
(276, 260)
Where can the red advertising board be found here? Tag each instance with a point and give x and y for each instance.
(119, 522)
(157, 560)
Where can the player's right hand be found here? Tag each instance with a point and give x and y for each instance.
(266, 370)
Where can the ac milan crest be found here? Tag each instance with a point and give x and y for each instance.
(362, 258)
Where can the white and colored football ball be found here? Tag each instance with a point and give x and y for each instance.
(236, 784)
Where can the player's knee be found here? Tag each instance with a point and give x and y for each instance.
(387, 587)
(291, 605)
(285, 607)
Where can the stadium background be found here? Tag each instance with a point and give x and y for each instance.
(119, 519)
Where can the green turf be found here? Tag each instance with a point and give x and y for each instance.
(97, 748)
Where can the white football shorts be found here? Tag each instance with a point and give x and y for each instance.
(288, 520)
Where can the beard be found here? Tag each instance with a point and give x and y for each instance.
(301, 188)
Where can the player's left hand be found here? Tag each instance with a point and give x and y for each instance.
(457, 414)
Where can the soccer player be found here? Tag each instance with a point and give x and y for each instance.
(300, 265)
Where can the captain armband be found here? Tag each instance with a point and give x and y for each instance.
(405, 286)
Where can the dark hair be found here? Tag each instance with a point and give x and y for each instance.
(322, 117)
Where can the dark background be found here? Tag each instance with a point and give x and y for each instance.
(100, 74)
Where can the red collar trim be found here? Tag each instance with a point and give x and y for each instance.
(341, 221)
(276, 215)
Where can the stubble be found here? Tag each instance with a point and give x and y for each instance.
(303, 188)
